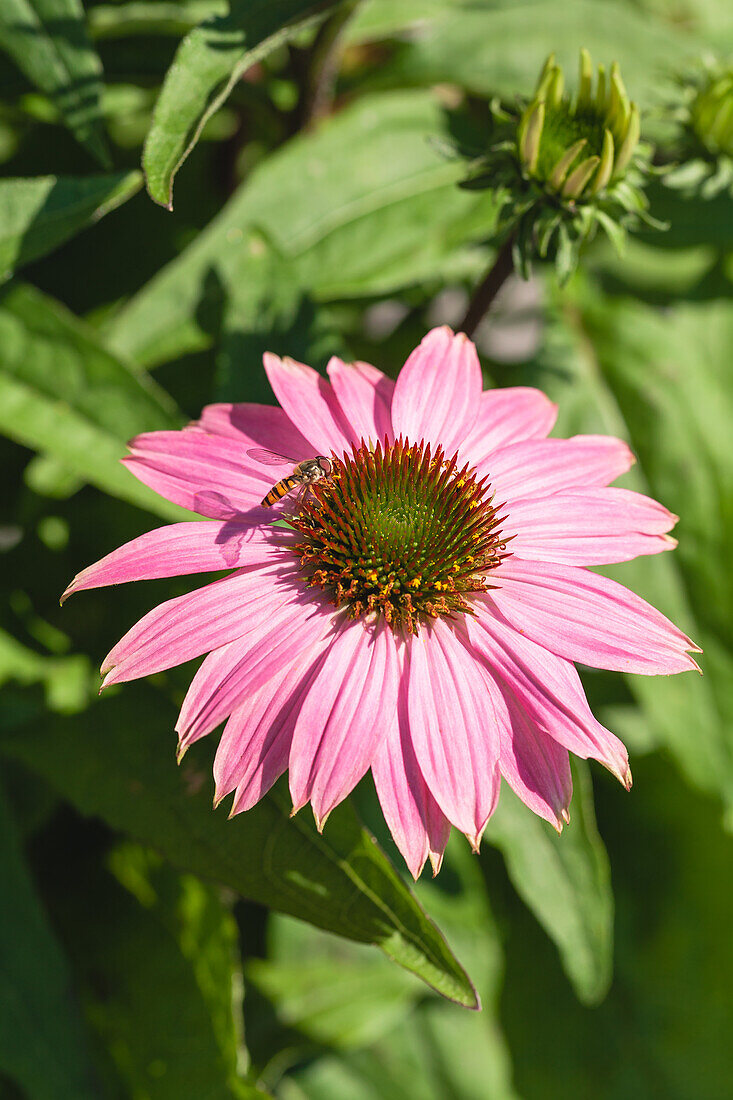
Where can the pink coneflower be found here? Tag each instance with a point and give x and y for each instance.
(420, 611)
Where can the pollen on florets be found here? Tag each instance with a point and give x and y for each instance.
(402, 531)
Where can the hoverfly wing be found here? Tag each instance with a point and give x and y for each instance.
(269, 458)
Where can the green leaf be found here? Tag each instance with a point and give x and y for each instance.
(340, 1002)
(691, 221)
(159, 969)
(564, 880)
(209, 62)
(144, 17)
(470, 1055)
(37, 215)
(399, 1066)
(114, 763)
(269, 312)
(437, 1051)
(48, 41)
(659, 380)
(364, 205)
(43, 1044)
(496, 47)
(660, 275)
(668, 377)
(67, 681)
(63, 394)
(671, 867)
(47, 477)
(377, 19)
(710, 20)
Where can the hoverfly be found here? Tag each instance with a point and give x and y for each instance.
(303, 475)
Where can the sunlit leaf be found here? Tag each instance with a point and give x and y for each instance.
(63, 394)
(437, 1051)
(498, 46)
(143, 17)
(158, 966)
(208, 64)
(362, 206)
(376, 19)
(48, 41)
(344, 1001)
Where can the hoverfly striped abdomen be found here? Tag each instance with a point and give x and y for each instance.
(304, 474)
(279, 490)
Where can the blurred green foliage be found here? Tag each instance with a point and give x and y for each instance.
(148, 946)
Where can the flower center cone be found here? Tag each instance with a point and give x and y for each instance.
(402, 530)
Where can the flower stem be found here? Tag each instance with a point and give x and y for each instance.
(323, 66)
(488, 288)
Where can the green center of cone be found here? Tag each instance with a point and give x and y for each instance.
(561, 130)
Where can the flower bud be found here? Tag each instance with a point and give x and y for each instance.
(576, 181)
(585, 82)
(704, 108)
(629, 143)
(605, 168)
(618, 106)
(600, 103)
(561, 169)
(566, 165)
(711, 115)
(555, 87)
(544, 77)
(554, 128)
(530, 141)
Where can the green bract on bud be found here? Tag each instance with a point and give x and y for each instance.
(576, 145)
(704, 109)
(567, 162)
(711, 115)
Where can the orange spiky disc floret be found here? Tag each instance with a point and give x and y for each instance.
(399, 529)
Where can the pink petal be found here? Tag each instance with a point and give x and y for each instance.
(419, 827)
(234, 671)
(255, 745)
(263, 426)
(548, 689)
(508, 416)
(539, 467)
(455, 727)
(344, 716)
(588, 618)
(437, 394)
(310, 403)
(211, 475)
(535, 766)
(589, 527)
(365, 396)
(187, 626)
(173, 551)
